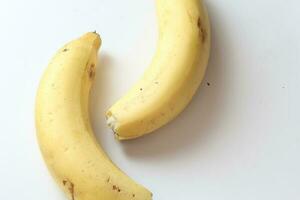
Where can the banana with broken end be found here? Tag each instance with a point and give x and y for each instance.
(172, 79)
(68, 145)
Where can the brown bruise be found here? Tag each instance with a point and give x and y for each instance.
(70, 187)
(202, 31)
(116, 188)
(91, 71)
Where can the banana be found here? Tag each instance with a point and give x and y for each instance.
(68, 145)
(174, 75)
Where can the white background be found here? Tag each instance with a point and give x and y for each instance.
(238, 139)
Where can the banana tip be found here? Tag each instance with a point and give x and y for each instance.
(111, 121)
(93, 37)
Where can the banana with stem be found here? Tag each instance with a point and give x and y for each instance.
(66, 139)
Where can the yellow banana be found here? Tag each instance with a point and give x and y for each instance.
(66, 139)
(176, 71)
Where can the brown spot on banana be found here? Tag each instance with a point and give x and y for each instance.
(202, 31)
(116, 188)
(70, 187)
(91, 71)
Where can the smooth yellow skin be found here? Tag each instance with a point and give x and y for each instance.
(66, 139)
(176, 72)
